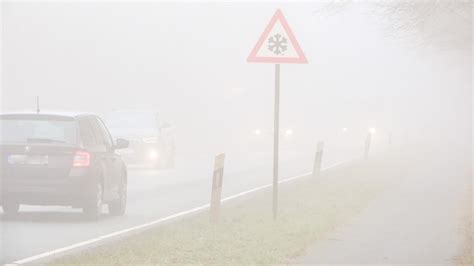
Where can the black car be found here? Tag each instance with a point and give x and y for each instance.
(60, 159)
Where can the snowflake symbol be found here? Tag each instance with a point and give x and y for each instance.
(277, 44)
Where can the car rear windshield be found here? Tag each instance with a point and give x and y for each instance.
(38, 129)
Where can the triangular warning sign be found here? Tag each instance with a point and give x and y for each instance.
(277, 44)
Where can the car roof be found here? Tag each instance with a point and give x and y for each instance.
(72, 114)
(133, 111)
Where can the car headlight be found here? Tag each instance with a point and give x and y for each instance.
(153, 155)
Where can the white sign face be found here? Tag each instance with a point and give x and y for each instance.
(277, 44)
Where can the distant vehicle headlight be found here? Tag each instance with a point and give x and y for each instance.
(150, 140)
(153, 155)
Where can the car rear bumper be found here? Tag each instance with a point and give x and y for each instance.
(67, 191)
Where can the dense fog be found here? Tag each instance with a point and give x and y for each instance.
(404, 73)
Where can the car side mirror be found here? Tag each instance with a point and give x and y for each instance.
(121, 144)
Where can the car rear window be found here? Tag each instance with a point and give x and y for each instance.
(38, 129)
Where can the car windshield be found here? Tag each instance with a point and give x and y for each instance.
(132, 121)
(25, 130)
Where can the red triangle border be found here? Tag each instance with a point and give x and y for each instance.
(253, 58)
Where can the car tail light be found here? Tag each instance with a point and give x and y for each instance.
(81, 159)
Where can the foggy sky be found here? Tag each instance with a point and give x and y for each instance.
(188, 61)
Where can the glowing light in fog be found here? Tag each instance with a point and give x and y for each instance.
(289, 132)
(372, 130)
(153, 155)
(344, 129)
(258, 132)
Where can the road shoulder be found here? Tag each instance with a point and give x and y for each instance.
(417, 221)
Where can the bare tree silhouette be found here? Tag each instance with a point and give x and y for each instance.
(442, 24)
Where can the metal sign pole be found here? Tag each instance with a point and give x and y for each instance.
(276, 131)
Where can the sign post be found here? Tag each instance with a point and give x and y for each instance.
(277, 45)
(276, 135)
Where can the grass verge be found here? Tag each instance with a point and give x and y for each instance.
(247, 233)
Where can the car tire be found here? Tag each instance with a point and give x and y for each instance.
(118, 206)
(11, 208)
(93, 208)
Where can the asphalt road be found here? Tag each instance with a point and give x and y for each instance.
(152, 194)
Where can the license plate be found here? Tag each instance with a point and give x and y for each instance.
(28, 159)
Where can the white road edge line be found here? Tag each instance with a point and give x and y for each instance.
(164, 219)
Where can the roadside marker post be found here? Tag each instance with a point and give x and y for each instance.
(277, 45)
(216, 192)
(318, 159)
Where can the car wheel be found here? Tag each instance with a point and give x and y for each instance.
(93, 208)
(11, 208)
(118, 206)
